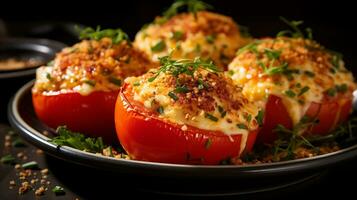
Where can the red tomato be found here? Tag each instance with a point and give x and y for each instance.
(92, 115)
(329, 114)
(147, 137)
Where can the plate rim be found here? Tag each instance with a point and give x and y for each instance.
(64, 152)
(53, 44)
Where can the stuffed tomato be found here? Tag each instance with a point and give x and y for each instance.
(296, 81)
(80, 87)
(184, 112)
(202, 34)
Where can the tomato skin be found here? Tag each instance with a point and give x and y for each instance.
(147, 137)
(92, 115)
(275, 113)
(329, 114)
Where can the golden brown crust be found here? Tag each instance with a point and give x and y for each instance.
(96, 61)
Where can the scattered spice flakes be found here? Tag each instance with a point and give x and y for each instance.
(25, 187)
(40, 191)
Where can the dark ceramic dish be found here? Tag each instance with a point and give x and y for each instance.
(247, 179)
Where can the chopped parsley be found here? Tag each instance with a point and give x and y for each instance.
(222, 111)
(77, 140)
(159, 46)
(160, 110)
(210, 39)
(211, 117)
(173, 96)
(114, 80)
(182, 66)
(58, 190)
(136, 84)
(181, 89)
(309, 73)
(260, 117)
(290, 93)
(90, 82)
(242, 126)
(8, 159)
(177, 35)
(30, 165)
(303, 90)
(117, 35)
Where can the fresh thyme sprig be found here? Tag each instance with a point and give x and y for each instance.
(295, 31)
(182, 66)
(291, 139)
(192, 6)
(117, 35)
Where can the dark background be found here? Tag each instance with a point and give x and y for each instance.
(333, 24)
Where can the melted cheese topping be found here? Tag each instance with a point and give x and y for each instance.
(219, 106)
(209, 36)
(91, 66)
(308, 65)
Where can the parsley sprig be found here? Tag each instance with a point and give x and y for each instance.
(183, 66)
(77, 140)
(117, 35)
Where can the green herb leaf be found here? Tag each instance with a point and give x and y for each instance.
(341, 88)
(242, 126)
(90, 82)
(159, 46)
(222, 111)
(30, 165)
(8, 159)
(295, 31)
(173, 96)
(136, 84)
(18, 143)
(309, 73)
(331, 92)
(210, 39)
(260, 117)
(48, 76)
(177, 35)
(114, 80)
(78, 141)
(250, 47)
(160, 110)
(303, 90)
(211, 117)
(181, 89)
(272, 54)
(182, 66)
(290, 93)
(192, 6)
(117, 35)
(58, 190)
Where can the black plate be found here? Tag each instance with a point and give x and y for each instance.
(247, 179)
(42, 50)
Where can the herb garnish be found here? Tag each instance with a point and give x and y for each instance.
(114, 80)
(159, 46)
(8, 159)
(177, 35)
(182, 66)
(160, 110)
(242, 126)
(173, 96)
(192, 6)
(303, 90)
(260, 117)
(58, 190)
(117, 35)
(30, 165)
(77, 140)
(290, 93)
(222, 111)
(211, 117)
(295, 31)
